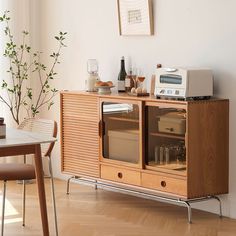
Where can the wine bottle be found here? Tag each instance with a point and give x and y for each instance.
(129, 83)
(121, 76)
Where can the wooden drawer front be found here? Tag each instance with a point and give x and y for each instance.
(80, 140)
(165, 184)
(120, 175)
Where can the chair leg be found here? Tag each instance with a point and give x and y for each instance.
(53, 194)
(3, 205)
(23, 205)
(24, 159)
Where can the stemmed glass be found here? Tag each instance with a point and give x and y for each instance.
(138, 78)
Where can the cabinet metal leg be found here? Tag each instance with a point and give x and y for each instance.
(96, 186)
(189, 210)
(220, 205)
(68, 185)
(186, 202)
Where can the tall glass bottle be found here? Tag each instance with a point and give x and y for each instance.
(121, 76)
(129, 83)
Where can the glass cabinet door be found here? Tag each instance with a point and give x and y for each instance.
(121, 132)
(165, 139)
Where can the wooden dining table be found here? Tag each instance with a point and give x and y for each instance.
(19, 142)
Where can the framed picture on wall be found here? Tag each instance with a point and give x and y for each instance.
(135, 17)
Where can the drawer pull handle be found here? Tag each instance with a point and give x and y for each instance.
(170, 129)
(120, 175)
(163, 184)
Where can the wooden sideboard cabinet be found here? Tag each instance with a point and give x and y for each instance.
(179, 148)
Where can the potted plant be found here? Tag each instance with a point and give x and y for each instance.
(17, 89)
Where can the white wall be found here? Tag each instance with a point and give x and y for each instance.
(187, 33)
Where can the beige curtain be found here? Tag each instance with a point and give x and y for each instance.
(20, 20)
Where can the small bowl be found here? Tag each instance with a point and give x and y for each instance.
(104, 89)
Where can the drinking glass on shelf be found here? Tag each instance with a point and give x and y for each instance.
(180, 153)
(138, 77)
(134, 76)
(140, 81)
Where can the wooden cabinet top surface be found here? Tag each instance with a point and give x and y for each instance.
(150, 98)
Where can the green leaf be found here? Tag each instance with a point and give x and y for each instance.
(10, 90)
(54, 90)
(4, 84)
(29, 93)
(25, 32)
(50, 105)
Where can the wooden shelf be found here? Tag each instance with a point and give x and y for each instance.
(175, 136)
(123, 119)
(171, 166)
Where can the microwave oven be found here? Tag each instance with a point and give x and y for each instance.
(184, 83)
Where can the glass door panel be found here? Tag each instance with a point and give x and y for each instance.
(121, 133)
(165, 138)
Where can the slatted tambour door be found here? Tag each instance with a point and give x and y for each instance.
(80, 140)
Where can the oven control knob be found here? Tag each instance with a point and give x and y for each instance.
(162, 91)
(177, 92)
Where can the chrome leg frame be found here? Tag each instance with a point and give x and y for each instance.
(185, 202)
(79, 178)
(53, 194)
(220, 205)
(3, 205)
(68, 184)
(188, 202)
(23, 205)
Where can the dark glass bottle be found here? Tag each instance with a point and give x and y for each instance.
(121, 76)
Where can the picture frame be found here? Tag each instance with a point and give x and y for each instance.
(135, 17)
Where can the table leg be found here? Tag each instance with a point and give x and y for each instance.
(41, 189)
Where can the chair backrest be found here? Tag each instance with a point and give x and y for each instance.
(43, 126)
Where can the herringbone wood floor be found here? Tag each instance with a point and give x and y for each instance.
(87, 212)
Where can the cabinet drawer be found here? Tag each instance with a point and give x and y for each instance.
(120, 175)
(165, 184)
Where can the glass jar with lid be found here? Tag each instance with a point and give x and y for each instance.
(2, 128)
(92, 68)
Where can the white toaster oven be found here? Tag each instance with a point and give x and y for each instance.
(184, 83)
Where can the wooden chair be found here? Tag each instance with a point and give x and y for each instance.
(20, 171)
